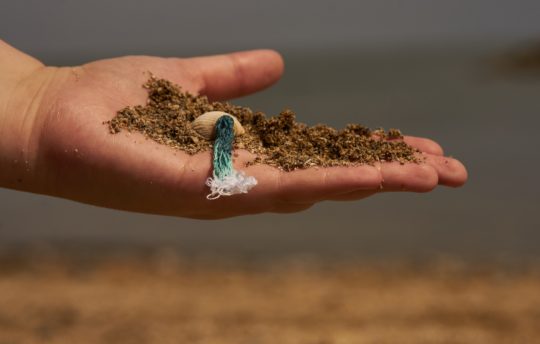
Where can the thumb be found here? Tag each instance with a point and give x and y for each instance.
(236, 74)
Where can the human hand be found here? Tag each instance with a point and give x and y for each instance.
(53, 141)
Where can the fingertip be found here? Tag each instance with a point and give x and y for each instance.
(459, 172)
(465, 174)
(273, 57)
(267, 63)
(451, 171)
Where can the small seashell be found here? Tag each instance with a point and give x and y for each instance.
(205, 124)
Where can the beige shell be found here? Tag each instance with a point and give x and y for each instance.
(205, 124)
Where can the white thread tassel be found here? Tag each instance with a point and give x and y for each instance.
(225, 180)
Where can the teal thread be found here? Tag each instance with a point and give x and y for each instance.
(223, 145)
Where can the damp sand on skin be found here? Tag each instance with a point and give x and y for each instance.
(279, 141)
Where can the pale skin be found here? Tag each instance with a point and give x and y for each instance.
(53, 141)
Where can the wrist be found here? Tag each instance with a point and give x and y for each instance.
(22, 80)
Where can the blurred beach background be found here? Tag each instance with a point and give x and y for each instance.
(453, 265)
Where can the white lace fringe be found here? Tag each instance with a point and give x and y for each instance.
(234, 184)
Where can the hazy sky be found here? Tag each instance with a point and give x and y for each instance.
(105, 27)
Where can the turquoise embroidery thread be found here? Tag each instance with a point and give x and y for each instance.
(226, 180)
(223, 147)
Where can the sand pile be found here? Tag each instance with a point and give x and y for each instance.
(278, 141)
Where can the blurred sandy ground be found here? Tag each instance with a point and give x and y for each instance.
(158, 296)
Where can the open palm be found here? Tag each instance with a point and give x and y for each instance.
(77, 157)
